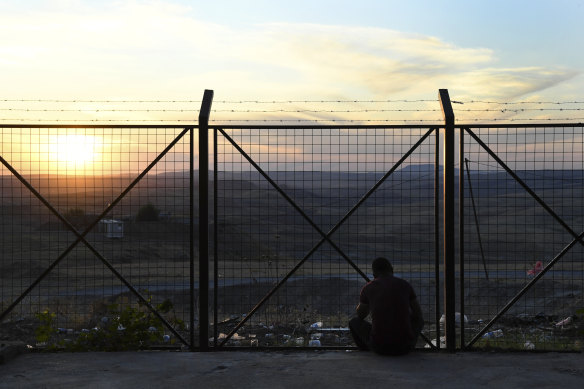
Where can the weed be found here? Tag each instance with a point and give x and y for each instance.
(130, 328)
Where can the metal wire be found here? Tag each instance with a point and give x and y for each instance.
(134, 255)
(260, 236)
(263, 239)
(523, 235)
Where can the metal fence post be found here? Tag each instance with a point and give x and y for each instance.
(204, 220)
(448, 209)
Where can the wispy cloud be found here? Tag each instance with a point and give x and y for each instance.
(161, 49)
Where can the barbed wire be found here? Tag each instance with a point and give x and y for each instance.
(520, 119)
(215, 101)
(212, 122)
(519, 110)
(504, 110)
(436, 121)
(285, 101)
(424, 111)
(224, 110)
(518, 102)
(96, 120)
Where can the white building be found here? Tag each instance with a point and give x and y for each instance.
(112, 228)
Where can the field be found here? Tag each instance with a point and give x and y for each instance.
(261, 238)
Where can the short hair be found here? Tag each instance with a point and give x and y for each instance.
(381, 266)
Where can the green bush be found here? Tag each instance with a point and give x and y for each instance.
(46, 328)
(148, 213)
(130, 328)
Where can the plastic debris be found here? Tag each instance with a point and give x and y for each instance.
(529, 346)
(299, 341)
(457, 317)
(493, 334)
(314, 343)
(254, 343)
(536, 269)
(121, 327)
(566, 322)
(166, 338)
(318, 324)
(152, 329)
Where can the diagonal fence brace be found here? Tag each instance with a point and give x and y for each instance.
(326, 237)
(526, 288)
(81, 236)
(293, 203)
(474, 209)
(526, 187)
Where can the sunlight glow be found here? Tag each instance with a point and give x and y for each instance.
(73, 151)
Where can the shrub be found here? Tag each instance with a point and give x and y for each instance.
(147, 213)
(131, 328)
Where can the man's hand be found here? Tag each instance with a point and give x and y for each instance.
(362, 310)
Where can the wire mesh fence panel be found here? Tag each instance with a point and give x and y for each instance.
(92, 219)
(524, 205)
(300, 215)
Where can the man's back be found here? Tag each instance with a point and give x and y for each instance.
(389, 299)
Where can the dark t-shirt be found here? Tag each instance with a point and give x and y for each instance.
(389, 299)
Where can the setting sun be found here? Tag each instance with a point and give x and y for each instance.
(73, 151)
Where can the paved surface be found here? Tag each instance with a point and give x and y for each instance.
(293, 369)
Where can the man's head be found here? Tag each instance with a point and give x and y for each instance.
(381, 267)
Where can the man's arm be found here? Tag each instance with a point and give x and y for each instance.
(362, 310)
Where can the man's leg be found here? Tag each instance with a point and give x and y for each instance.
(361, 330)
(417, 329)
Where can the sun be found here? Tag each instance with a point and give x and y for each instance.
(73, 151)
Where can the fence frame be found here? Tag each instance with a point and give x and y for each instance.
(325, 236)
(81, 235)
(577, 238)
(448, 217)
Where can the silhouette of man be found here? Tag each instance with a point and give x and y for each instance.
(396, 316)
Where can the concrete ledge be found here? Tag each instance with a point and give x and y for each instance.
(294, 369)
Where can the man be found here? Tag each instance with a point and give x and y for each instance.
(396, 315)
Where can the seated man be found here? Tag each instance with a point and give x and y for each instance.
(395, 313)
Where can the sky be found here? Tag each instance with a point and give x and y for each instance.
(386, 50)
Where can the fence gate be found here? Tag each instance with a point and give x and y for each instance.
(522, 227)
(299, 214)
(96, 229)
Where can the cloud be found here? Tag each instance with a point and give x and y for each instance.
(162, 49)
(383, 62)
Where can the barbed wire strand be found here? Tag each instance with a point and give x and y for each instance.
(284, 101)
(219, 121)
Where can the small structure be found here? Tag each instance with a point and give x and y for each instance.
(113, 229)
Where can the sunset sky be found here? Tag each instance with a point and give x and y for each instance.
(270, 50)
